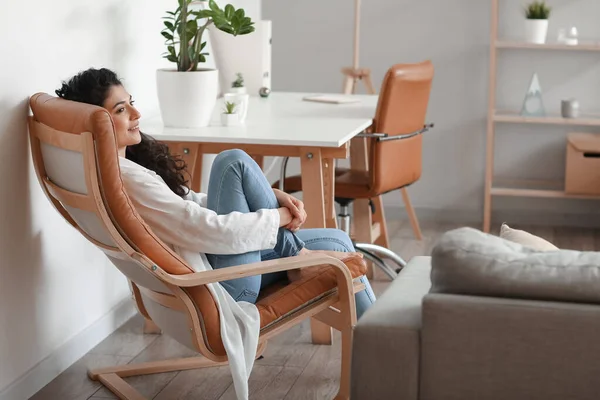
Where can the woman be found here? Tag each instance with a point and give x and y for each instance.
(240, 220)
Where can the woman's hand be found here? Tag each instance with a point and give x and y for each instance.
(295, 206)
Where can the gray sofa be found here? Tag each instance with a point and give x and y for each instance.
(483, 319)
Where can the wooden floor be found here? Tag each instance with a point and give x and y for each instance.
(292, 367)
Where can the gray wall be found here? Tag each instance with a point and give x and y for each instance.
(312, 40)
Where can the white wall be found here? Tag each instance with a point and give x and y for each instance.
(53, 284)
(312, 40)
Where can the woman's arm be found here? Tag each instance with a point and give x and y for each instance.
(186, 224)
(285, 215)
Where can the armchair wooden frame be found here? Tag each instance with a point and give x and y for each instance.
(335, 308)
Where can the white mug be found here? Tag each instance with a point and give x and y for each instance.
(241, 101)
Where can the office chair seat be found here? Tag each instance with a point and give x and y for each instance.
(349, 184)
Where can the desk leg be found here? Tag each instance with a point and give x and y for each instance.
(328, 192)
(312, 165)
(361, 219)
(196, 170)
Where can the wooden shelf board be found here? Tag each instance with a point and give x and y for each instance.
(515, 44)
(556, 194)
(515, 117)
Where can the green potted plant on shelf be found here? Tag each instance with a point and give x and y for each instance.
(237, 86)
(537, 14)
(187, 93)
(229, 116)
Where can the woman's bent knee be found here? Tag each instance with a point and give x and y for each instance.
(228, 156)
(243, 289)
(326, 239)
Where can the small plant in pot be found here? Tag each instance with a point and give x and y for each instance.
(187, 94)
(536, 23)
(229, 116)
(237, 86)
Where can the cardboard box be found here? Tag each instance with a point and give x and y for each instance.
(583, 164)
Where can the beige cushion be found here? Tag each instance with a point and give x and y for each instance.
(468, 261)
(526, 239)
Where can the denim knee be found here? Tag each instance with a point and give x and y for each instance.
(326, 239)
(243, 289)
(227, 157)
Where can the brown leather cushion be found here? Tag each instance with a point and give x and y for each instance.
(348, 183)
(310, 284)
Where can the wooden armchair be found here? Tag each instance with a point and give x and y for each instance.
(75, 157)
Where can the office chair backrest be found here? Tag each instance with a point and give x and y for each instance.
(401, 109)
(74, 150)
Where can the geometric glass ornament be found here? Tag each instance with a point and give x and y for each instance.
(533, 105)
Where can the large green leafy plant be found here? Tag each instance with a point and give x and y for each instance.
(184, 29)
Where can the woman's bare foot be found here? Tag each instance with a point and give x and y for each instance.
(340, 255)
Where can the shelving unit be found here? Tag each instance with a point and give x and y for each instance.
(523, 189)
(510, 44)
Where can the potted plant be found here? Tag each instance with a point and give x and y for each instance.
(237, 86)
(536, 23)
(229, 116)
(187, 94)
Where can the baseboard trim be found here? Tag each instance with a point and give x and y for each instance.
(66, 355)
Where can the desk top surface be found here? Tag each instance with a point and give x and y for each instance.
(283, 118)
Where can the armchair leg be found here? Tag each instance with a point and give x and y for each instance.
(112, 377)
(321, 333)
(411, 214)
(344, 392)
(150, 327)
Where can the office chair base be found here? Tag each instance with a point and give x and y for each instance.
(378, 261)
(376, 254)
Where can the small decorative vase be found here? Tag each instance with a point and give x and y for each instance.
(230, 119)
(569, 108)
(573, 37)
(536, 30)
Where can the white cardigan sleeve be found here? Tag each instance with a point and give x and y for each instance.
(189, 225)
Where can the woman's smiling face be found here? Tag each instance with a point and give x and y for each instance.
(125, 117)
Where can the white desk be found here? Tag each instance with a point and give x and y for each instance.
(284, 125)
(282, 119)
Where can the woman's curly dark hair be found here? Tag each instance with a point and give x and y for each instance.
(92, 86)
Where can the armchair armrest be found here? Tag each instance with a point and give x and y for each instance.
(264, 267)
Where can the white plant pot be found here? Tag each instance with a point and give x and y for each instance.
(187, 99)
(237, 90)
(230, 119)
(536, 30)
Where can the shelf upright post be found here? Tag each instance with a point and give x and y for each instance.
(489, 160)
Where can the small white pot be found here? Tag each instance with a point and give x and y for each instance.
(237, 90)
(230, 119)
(536, 30)
(187, 99)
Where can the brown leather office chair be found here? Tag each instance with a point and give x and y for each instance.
(394, 152)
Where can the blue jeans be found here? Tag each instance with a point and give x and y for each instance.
(238, 184)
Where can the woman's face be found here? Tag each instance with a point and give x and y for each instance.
(125, 116)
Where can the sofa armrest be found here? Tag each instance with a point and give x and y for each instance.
(498, 349)
(385, 353)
